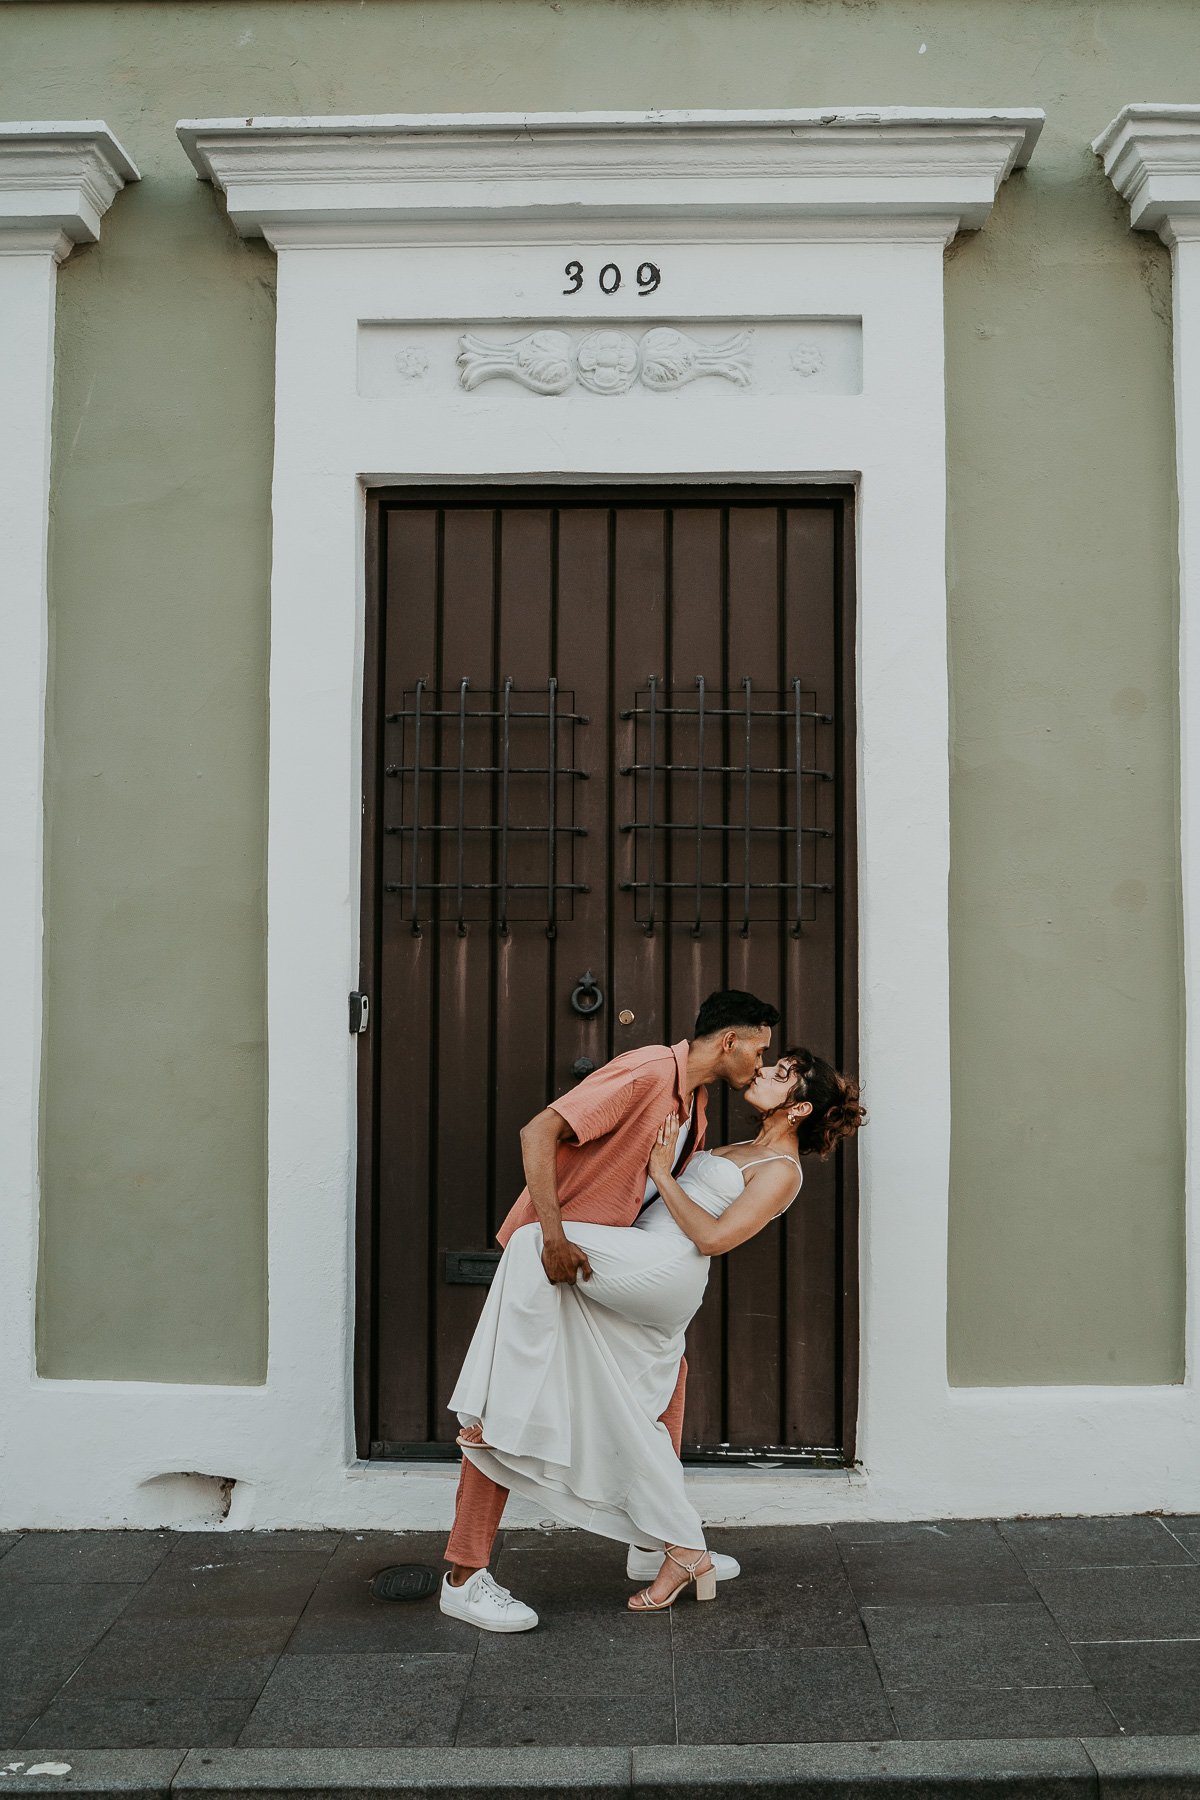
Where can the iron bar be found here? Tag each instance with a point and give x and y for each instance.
(486, 713)
(552, 835)
(504, 811)
(514, 887)
(718, 712)
(725, 768)
(699, 804)
(574, 830)
(462, 758)
(488, 768)
(416, 924)
(629, 887)
(663, 825)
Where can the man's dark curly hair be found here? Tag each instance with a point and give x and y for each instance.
(730, 1009)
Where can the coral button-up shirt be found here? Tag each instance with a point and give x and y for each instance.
(615, 1114)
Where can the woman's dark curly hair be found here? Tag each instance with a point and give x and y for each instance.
(837, 1112)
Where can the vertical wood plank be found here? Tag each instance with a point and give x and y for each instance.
(811, 1356)
(525, 958)
(753, 1275)
(697, 962)
(639, 961)
(583, 668)
(405, 1021)
(464, 1071)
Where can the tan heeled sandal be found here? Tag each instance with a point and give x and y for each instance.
(705, 1580)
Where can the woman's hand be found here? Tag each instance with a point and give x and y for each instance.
(662, 1157)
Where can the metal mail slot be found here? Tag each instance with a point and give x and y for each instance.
(471, 1268)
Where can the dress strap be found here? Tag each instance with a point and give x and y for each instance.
(780, 1156)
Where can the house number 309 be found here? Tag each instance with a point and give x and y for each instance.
(648, 277)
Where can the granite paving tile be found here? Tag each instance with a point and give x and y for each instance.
(343, 1617)
(86, 1556)
(369, 1701)
(1150, 1688)
(777, 1609)
(779, 1697)
(237, 1576)
(1185, 1529)
(970, 1646)
(1100, 1605)
(578, 1574)
(16, 1716)
(219, 1659)
(490, 1719)
(961, 1562)
(1091, 1543)
(135, 1724)
(29, 1681)
(56, 1620)
(992, 1712)
(800, 1551)
(577, 1655)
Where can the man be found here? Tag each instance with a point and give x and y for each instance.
(585, 1158)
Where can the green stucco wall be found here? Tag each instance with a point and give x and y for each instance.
(1066, 1206)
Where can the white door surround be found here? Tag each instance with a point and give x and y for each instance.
(820, 234)
(57, 180)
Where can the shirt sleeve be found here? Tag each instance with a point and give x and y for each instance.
(599, 1103)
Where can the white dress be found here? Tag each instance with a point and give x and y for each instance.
(568, 1383)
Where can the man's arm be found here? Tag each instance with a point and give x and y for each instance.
(561, 1259)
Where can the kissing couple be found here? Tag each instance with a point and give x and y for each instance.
(572, 1390)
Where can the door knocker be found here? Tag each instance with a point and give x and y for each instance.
(588, 996)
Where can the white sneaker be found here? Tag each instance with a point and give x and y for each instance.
(644, 1565)
(483, 1602)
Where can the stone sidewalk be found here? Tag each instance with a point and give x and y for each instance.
(1018, 1630)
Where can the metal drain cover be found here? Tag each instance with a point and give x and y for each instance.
(407, 1581)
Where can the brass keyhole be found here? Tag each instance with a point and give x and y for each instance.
(626, 1017)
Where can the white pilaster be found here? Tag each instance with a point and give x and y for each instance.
(1152, 157)
(56, 182)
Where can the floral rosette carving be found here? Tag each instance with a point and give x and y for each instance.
(607, 362)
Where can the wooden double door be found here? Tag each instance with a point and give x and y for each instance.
(608, 767)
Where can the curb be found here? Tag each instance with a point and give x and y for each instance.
(1118, 1768)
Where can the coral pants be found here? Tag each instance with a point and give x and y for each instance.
(480, 1500)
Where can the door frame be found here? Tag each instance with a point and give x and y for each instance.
(486, 492)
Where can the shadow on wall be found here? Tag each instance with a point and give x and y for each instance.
(189, 1501)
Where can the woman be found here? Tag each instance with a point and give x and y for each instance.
(562, 1389)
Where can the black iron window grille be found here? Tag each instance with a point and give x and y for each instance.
(485, 796)
(744, 768)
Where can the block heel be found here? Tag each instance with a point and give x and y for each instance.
(705, 1580)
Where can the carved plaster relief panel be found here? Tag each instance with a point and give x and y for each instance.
(591, 361)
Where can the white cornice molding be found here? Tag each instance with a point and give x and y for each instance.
(57, 180)
(319, 180)
(1152, 157)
